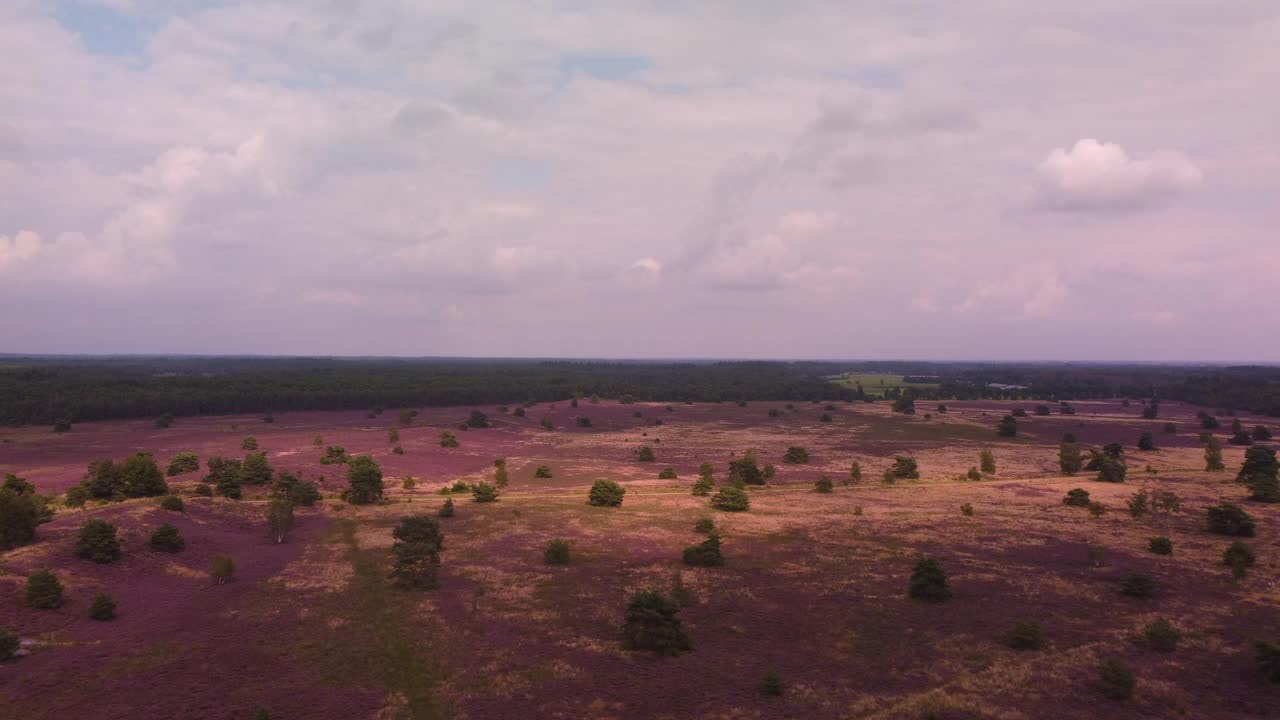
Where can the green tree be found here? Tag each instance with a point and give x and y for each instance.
(1111, 470)
(449, 440)
(140, 477)
(605, 493)
(929, 581)
(98, 542)
(1008, 426)
(477, 420)
(744, 471)
(1146, 441)
(987, 461)
(1229, 519)
(1079, 497)
(223, 570)
(1239, 557)
(1259, 474)
(166, 538)
(704, 554)
(706, 480)
(9, 644)
(556, 552)
(280, 518)
(1160, 635)
(905, 468)
(1116, 680)
(855, 472)
(44, 590)
(365, 477)
(823, 485)
(542, 472)
(796, 455)
(173, 503)
(249, 444)
(21, 512)
(483, 492)
(446, 510)
(1213, 455)
(653, 624)
(417, 552)
(393, 435)
(103, 607)
(646, 454)
(255, 470)
(731, 499)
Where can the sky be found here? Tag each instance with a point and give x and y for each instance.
(930, 179)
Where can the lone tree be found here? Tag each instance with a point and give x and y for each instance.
(1008, 426)
(103, 607)
(255, 470)
(731, 499)
(542, 472)
(417, 552)
(483, 492)
(556, 552)
(605, 493)
(224, 569)
(1110, 468)
(823, 485)
(855, 472)
(653, 624)
(1239, 557)
(745, 471)
(21, 512)
(706, 480)
(905, 468)
(705, 554)
(1079, 497)
(477, 420)
(1146, 441)
(987, 461)
(44, 590)
(98, 542)
(929, 581)
(1213, 455)
(446, 510)
(1229, 519)
(365, 476)
(646, 454)
(1259, 474)
(166, 538)
(667, 474)
(280, 518)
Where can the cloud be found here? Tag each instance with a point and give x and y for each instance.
(22, 246)
(1094, 175)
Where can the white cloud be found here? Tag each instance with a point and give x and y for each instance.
(22, 246)
(1094, 175)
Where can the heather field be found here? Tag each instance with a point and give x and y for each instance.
(813, 586)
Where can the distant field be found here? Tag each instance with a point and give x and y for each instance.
(877, 383)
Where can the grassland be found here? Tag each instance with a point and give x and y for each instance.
(876, 384)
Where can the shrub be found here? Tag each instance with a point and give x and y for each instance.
(44, 590)
(166, 538)
(9, 645)
(772, 685)
(1160, 635)
(667, 474)
(796, 455)
(888, 478)
(704, 554)
(98, 542)
(1069, 458)
(449, 440)
(653, 624)
(1025, 636)
(823, 485)
(103, 607)
(605, 493)
(1170, 428)
(1008, 426)
(397, 450)
(364, 475)
(973, 474)
(1110, 469)
(204, 490)
(1161, 545)
(223, 570)
(1239, 557)
(706, 480)
(584, 421)
(987, 461)
(904, 467)
(318, 440)
(1139, 504)
(21, 512)
(459, 486)
(249, 443)
(279, 518)
(1097, 509)
(1136, 584)
(1213, 455)
(556, 552)
(731, 499)
(966, 510)
(905, 405)
(334, 455)
(1261, 474)
(477, 420)
(307, 494)
(929, 581)
(543, 471)
(446, 510)
(1229, 519)
(1079, 497)
(183, 462)
(855, 472)
(483, 492)
(173, 503)
(1146, 441)
(76, 497)
(1097, 554)
(1261, 433)
(1116, 680)
(705, 525)
(1268, 659)
(744, 471)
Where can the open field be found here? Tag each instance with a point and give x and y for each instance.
(876, 384)
(813, 588)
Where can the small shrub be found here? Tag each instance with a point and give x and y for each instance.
(1146, 442)
(973, 474)
(223, 570)
(166, 538)
(103, 607)
(1239, 557)
(823, 485)
(98, 542)
(1008, 426)
(556, 552)
(1097, 509)
(855, 473)
(796, 455)
(446, 510)
(1139, 504)
(929, 581)
(249, 443)
(1025, 636)
(204, 490)
(397, 450)
(1116, 680)
(966, 510)
(653, 624)
(483, 492)
(1229, 519)
(731, 499)
(449, 440)
(646, 454)
(1170, 428)
(460, 486)
(9, 645)
(543, 471)
(1160, 635)
(987, 459)
(584, 421)
(605, 493)
(904, 467)
(704, 554)
(1136, 584)
(183, 462)
(173, 503)
(772, 685)
(667, 474)
(1097, 555)
(1078, 497)
(705, 526)
(44, 590)
(1161, 545)
(1268, 659)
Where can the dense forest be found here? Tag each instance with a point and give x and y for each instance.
(45, 390)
